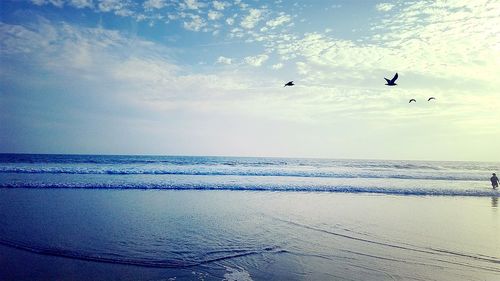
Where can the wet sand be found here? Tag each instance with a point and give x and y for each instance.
(83, 234)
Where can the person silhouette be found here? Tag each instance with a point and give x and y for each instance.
(494, 181)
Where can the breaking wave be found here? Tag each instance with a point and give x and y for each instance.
(243, 171)
(262, 187)
(247, 173)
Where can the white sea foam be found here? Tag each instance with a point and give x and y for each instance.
(242, 170)
(236, 274)
(236, 173)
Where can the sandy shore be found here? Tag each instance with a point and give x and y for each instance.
(70, 234)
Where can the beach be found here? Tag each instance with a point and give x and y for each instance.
(123, 217)
(84, 234)
(243, 140)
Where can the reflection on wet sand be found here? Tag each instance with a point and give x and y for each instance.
(494, 201)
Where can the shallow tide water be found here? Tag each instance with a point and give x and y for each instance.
(106, 234)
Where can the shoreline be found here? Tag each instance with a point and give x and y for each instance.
(261, 235)
(342, 190)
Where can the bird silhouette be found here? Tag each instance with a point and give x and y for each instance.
(431, 98)
(289, 84)
(391, 82)
(412, 100)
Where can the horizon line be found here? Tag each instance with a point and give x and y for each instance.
(240, 156)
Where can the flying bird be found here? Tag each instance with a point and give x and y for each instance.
(289, 84)
(412, 100)
(391, 82)
(431, 98)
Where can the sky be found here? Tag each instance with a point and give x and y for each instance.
(193, 77)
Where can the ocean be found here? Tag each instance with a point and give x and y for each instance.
(247, 173)
(89, 217)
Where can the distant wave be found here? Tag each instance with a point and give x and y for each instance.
(239, 171)
(257, 187)
(105, 160)
(243, 161)
(205, 258)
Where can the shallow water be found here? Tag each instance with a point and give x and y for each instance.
(85, 234)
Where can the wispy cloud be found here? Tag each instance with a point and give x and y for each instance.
(120, 8)
(39, 2)
(192, 4)
(144, 78)
(214, 15)
(154, 4)
(195, 23)
(277, 66)
(282, 19)
(57, 3)
(384, 7)
(256, 60)
(427, 39)
(250, 21)
(220, 5)
(224, 60)
(194, 15)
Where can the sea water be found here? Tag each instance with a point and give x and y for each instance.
(246, 173)
(82, 217)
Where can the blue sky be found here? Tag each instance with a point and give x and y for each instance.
(192, 77)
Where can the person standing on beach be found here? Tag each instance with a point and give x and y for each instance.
(494, 181)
